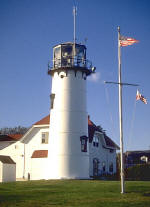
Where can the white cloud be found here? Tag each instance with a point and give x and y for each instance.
(94, 77)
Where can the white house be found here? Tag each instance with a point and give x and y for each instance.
(30, 152)
(102, 151)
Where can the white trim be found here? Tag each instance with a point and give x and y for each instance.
(26, 134)
(9, 141)
(44, 125)
(33, 126)
(103, 139)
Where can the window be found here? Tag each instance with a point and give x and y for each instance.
(95, 166)
(57, 57)
(16, 146)
(111, 150)
(52, 96)
(83, 140)
(111, 167)
(95, 141)
(67, 52)
(144, 159)
(80, 55)
(103, 167)
(45, 136)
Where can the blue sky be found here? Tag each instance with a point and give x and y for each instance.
(29, 30)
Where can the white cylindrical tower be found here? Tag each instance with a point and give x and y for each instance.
(68, 151)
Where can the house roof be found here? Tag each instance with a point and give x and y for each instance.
(44, 121)
(10, 137)
(40, 154)
(91, 130)
(6, 159)
(136, 153)
(110, 142)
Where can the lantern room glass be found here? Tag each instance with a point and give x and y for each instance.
(57, 56)
(69, 55)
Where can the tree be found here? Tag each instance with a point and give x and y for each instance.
(13, 130)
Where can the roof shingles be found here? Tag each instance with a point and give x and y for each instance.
(6, 159)
(44, 121)
(10, 137)
(91, 130)
(40, 154)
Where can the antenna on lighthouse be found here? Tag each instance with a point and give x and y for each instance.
(74, 35)
(74, 18)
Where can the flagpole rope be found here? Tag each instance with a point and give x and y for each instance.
(110, 113)
(132, 126)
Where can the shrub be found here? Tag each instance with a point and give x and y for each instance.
(138, 172)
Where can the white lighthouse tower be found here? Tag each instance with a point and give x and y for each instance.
(68, 152)
(68, 134)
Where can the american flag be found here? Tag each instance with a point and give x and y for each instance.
(140, 97)
(125, 41)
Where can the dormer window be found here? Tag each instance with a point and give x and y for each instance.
(95, 141)
(83, 140)
(45, 136)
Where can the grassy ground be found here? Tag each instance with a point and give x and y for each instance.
(68, 193)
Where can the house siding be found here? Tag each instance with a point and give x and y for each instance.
(16, 152)
(103, 155)
(36, 168)
(1, 171)
(32, 143)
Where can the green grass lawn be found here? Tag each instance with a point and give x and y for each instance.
(68, 193)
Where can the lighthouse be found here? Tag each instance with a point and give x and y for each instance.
(68, 152)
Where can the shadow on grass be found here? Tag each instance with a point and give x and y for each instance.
(146, 194)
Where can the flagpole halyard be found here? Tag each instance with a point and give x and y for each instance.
(120, 115)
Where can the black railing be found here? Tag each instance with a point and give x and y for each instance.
(70, 62)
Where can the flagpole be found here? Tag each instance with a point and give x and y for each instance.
(120, 116)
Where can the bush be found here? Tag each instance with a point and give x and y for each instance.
(106, 176)
(138, 172)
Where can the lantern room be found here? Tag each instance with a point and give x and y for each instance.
(71, 56)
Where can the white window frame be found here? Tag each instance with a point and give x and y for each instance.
(95, 140)
(44, 137)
